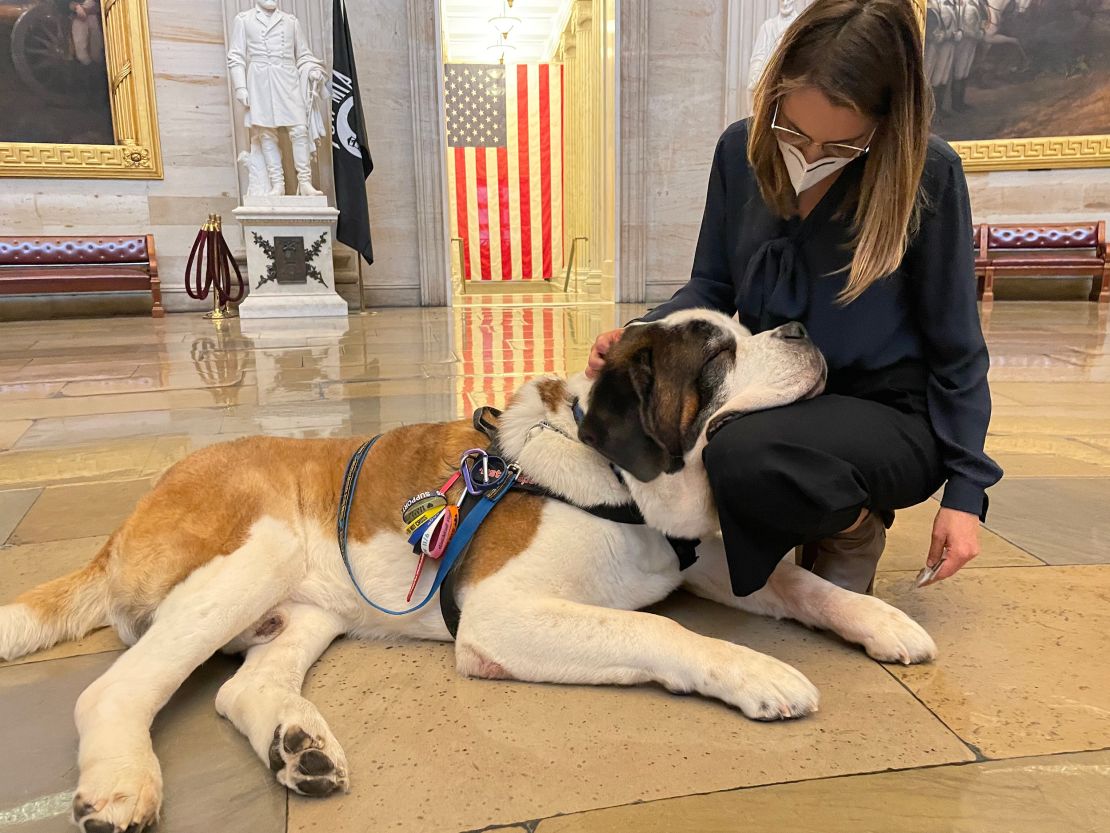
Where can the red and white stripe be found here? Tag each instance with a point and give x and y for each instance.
(502, 348)
(507, 203)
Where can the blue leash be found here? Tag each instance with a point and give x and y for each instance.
(459, 542)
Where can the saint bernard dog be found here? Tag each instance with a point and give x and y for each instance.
(235, 548)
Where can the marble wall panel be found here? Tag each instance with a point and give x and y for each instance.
(61, 213)
(685, 94)
(20, 216)
(380, 34)
(1046, 196)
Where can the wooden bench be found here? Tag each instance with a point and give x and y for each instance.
(1046, 249)
(43, 265)
(978, 232)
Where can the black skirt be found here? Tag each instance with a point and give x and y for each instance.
(800, 473)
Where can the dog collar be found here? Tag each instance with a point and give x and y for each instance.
(576, 409)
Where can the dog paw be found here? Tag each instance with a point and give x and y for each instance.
(118, 796)
(762, 687)
(307, 763)
(888, 634)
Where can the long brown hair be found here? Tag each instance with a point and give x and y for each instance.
(866, 55)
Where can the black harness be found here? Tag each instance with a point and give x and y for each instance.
(485, 420)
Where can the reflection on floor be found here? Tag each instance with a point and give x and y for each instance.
(1007, 731)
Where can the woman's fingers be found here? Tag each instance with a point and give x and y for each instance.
(602, 345)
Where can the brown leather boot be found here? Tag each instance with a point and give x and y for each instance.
(849, 559)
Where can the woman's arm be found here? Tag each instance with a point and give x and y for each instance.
(943, 280)
(710, 283)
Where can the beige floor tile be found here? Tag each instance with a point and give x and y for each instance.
(56, 369)
(213, 781)
(907, 543)
(498, 752)
(1038, 455)
(1024, 665)
(20, 391)
(100, 641)
(1044, 369)
(79, 511)
(14, 505)
(1057, 421)
(1047, 465)
(10, 432)
(1057, 393)
(127, 402)
(58, 432)
(1059, 520)
(1100, 442)
(169, 450)
(205, 376)
(1053, 794)
(113, 459)
(29, 565)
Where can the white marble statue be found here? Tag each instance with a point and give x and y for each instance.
(770, 33)
(280, 84)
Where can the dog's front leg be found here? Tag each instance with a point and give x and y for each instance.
(885, 632)
(264, 702)
(559, 641)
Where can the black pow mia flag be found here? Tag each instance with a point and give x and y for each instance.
(351, 162)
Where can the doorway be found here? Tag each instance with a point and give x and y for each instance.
(529, 92)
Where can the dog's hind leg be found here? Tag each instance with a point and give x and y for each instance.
(559, 641)
(885, 632)
(120, 785)
(264, 702)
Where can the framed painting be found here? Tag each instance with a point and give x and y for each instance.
(77, 90)
(1021, 84)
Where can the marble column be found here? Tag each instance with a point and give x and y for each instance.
(607, 247)
(587, 51)
(572, 208)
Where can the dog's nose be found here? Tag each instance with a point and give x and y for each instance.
(793, 330)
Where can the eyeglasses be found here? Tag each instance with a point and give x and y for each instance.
(801, 141)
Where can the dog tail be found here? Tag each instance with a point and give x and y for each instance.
(60, 610)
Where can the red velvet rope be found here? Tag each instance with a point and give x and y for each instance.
(214, 264)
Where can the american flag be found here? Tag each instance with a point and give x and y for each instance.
(505, 168)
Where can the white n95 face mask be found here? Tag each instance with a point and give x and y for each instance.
(804, 175)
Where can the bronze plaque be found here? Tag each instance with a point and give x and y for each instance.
(289, 261)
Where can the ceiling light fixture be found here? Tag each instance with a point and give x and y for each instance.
(504, 22)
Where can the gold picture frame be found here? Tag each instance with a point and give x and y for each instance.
(1090, 151)
(136, 153)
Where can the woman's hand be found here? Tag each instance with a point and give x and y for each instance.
(601, 348)
(956, 538)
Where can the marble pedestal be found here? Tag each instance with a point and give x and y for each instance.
(277, 230)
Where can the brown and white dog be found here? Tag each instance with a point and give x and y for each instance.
(235, 549)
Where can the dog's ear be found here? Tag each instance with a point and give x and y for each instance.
(677, 385)
(619, 406)
(650, 403)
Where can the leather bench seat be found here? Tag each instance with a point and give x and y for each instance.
(44, 265)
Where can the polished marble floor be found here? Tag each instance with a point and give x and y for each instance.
(1009, 730)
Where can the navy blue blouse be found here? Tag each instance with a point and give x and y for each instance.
(772, 270)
